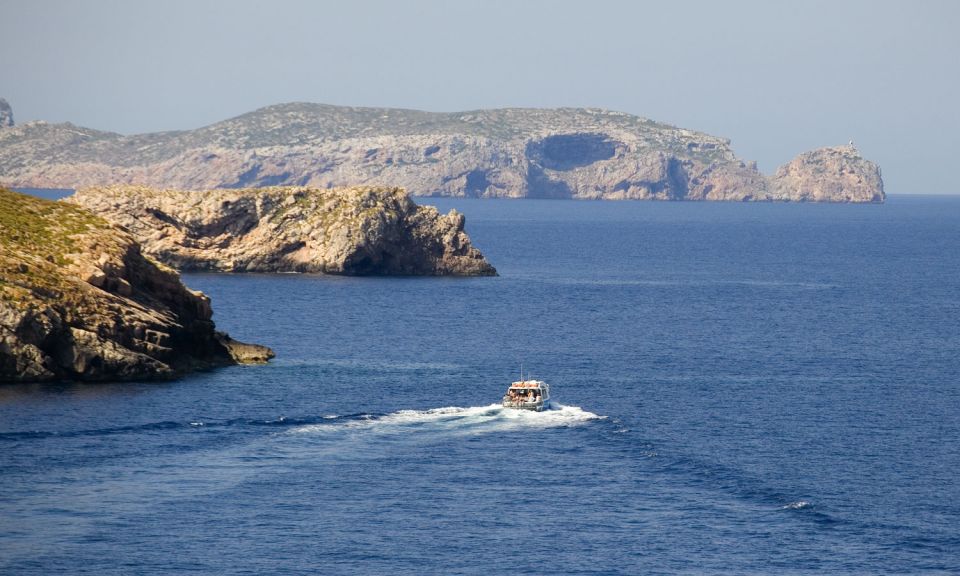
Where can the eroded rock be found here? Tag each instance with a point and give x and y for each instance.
(78, 301)
(833, 174)
(578, 153)
(353, 231)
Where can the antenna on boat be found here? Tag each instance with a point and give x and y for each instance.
(521, 371)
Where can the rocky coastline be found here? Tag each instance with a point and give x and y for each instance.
(574, 153)
(357, 231)
(79, 301)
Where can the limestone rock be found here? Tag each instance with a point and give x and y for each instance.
(579, 153)
(836, 174)
(244, 353)
(78, 301)
(353, 231)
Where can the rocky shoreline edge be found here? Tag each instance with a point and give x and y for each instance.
(569, 153)
(79, 301)
(90, 289)
(354, 231)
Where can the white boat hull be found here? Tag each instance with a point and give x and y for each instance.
(534, 406)
(533, 395)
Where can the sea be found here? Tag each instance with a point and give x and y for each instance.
(738, 388)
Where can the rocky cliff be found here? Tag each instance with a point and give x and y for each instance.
(78, 301)
(535, 153)
(836, 174)
(354, 231)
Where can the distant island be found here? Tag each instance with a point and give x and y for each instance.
(79, 301)
(577, 153)
(355, 231)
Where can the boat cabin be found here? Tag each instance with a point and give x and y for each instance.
(527, 395)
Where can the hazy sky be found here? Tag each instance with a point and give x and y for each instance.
(777, 78)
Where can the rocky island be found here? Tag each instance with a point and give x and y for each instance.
(577, 153)
(79, 301)
(351, 231)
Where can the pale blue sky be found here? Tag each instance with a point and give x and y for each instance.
(777, 78)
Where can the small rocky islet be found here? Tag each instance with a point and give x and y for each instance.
(80, 301)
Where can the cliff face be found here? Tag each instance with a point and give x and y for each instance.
(561, 153)
(79, 301)
(836, 174)
(354, 231)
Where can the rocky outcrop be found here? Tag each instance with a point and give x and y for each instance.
(353, 231)
(533, 153)
(837, 174)
(6, 114)
(78, 301)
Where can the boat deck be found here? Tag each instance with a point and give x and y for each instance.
(527, 395)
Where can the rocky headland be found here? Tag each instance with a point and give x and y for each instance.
(351, 231)
(79, 301)
(535, 153)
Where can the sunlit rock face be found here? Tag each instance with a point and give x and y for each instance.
(80, 301)
(835, 174)
(352, 231)
(576, 153)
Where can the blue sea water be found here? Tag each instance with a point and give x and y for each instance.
(741, 389)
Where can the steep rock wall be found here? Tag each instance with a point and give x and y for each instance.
(352, 231)
(577, 153)
(79, 301)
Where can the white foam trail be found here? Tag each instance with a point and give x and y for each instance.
(798, 505)
(477, 419)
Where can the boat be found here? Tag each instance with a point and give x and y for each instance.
(527, 395)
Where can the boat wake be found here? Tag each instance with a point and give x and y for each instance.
(472, 420)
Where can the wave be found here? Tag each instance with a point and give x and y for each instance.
(814, 513)
(470, 420)
(40, 434)
(148, 427)
(479, 419)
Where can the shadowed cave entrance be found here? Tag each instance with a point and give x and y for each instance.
(569, 151)
(560, 153)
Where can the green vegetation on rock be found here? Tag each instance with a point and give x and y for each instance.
(79, 301)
